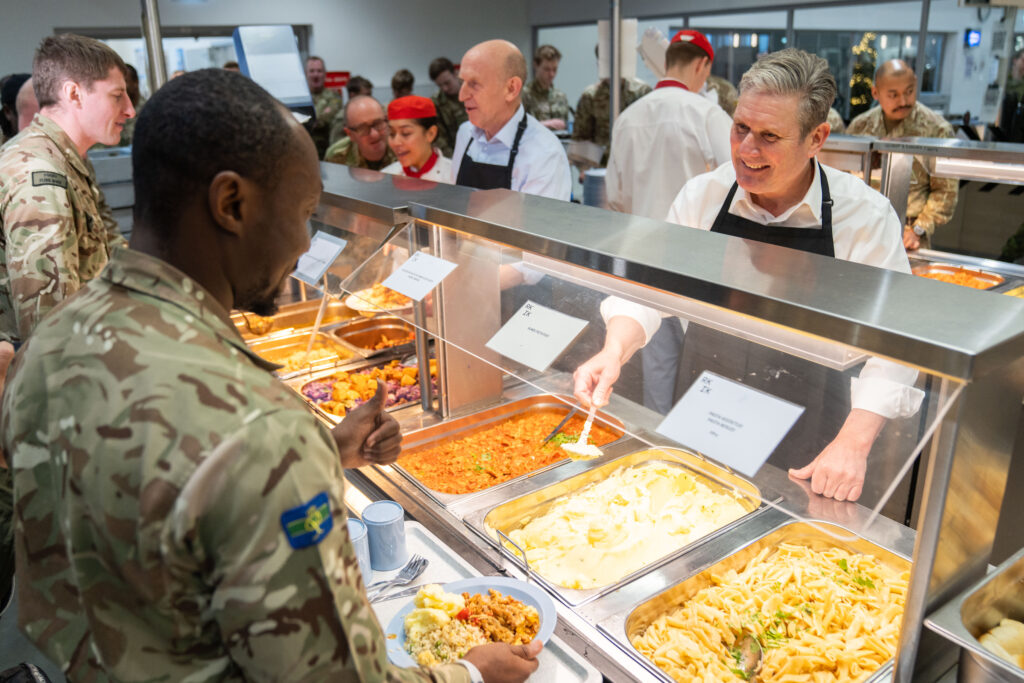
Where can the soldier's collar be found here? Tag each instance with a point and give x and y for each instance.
(50, 129)
(150, 276)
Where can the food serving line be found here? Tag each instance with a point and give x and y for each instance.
(976, 366)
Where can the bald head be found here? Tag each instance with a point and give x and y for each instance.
(26, 105)
(895, 89)
(493, 74)
(366, 124)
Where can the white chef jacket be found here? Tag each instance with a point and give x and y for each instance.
(865, 229)
(440, 173)
(659, 143)
(541, 166)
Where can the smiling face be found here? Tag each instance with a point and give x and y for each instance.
(103, 109)
(368, 128)
(491, 96)
(770, 153)
(411, 142)
(896, 95)
(315, 74)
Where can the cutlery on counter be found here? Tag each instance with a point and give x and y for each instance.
(413, 568)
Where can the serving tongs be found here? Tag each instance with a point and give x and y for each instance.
(565, 421)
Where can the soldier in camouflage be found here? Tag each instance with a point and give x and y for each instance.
(593, 112)
(326, 102)
(725, 93)
(451, 112)
(366, 141)
(542, 99)
(180, 513)
(931, 201)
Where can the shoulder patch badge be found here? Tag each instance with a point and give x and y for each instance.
(309, 523)
(40, 178)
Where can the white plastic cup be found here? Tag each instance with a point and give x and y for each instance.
(385, 526)
(361, 542)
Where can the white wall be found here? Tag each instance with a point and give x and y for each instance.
(373, 38)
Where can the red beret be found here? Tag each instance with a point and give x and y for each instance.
(696, 38)
(411, 107)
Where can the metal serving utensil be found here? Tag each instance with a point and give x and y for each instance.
(565, 421)
(751, 656)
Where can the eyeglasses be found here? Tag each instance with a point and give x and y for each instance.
(380, 125)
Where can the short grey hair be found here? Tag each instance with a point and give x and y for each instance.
(795, 72)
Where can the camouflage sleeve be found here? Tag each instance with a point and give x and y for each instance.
(583, 125)
(560, 107)
(942, 192)
(337, 129)
(327, 108)
(529, 103)
(265, 516)
(114, 236)
(42, 249)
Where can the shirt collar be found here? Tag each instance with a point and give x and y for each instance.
(152, 277)
(50, 129)
(506, 135)
(805, 213)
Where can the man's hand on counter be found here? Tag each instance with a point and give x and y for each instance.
(368, 435)
(504, 663)
(838, 471)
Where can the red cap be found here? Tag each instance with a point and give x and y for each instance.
(411, 107)
(697, 38)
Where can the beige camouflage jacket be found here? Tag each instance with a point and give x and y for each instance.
(179, 513)
(54, 235)
(328, 104)
(931, 201)
(545, 104)
(450, 115)
(346, 151)
(593, 112)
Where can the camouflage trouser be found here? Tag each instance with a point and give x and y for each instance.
(6, 533)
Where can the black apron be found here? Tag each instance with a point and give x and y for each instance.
(490, 176)
(825, 394)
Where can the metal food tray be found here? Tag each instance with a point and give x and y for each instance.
(296, 384)
(511, 515)
(557, 661)
(277, 347)
(971, 614)
(949, 269)
(473, 423)
(362, 334)
(816, 536)
(296, 316)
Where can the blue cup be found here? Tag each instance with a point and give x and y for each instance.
(385, 526)
(361, 542)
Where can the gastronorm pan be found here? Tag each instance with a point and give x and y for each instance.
(469, 424)
(816, 536)
(276, 348)
(971, 614)
(516, 513)
(291, 317)
(990, 279)
(363, 334)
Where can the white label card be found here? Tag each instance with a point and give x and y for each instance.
(418, 275)
(324, 249)
(536, 335)
(730, 422)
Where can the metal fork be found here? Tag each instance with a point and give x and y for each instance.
(416, 565)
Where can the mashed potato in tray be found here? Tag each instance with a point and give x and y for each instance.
(445, 626)
(614, 527)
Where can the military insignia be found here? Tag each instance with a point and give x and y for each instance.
(40, 178)
(309, 523)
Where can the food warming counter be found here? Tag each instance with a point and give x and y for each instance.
(811, 321)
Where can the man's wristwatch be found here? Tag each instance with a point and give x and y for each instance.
(918, 230)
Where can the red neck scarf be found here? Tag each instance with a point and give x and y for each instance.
(669, 83)
(426, 167)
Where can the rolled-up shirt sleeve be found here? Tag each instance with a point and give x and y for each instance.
(648, 318)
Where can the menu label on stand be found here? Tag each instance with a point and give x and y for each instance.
(730, 422)
(418, 275)
(324, 250)
(536, 335)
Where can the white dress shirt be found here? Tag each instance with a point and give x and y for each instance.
(441, 172)
(659, 143)
(865, 229)
(541, 166)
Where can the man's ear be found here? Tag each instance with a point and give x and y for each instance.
(230, 200)
(72, 93)
(818, 137)
(513, 87)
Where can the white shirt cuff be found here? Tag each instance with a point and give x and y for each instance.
(474, 673)
(887, 389)
(531, 276)
(648, 318)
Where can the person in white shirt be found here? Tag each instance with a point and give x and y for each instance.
(412, 130)
(663, 140)
(775, 191)
(501, 145)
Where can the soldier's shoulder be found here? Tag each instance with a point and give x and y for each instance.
(864, 121)
(31, 160)
(591, 90)
(933, 122)
(638, 86)
(339, 150)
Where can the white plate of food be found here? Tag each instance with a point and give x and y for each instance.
(443, 629)
(377, 299)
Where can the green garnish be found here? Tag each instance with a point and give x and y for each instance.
(864, 581)
(842, 565)
(741, 673)
(561, 437)
(478, 468)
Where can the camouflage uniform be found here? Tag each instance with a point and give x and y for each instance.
(346, 152)
(835, 120)
(450, 115)
(159, 471)
(545, 104)
(328, 105)
(726, 91)
(54, 235)
(593, 112)
(931, 201)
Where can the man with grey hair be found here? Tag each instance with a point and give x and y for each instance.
(501, 145)
(775, 191)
